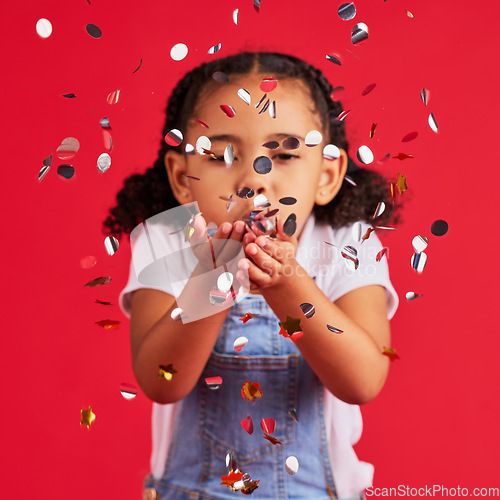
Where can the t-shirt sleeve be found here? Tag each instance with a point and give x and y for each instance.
(345, 279)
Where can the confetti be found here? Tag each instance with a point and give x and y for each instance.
(248, 316)
(264, 108)
(256, 5)
(272, 109)
(229, 155)
(108, 324)
(177, 314)
(203, 124)
(367, 234)
(308, 309)
(439, 227)
(213, 383)
(47, 162)
(44, 28)
(390, 353)
(409, 137)
(291, 465)
(113, 97)
(268, 425)
(350, 255)
(261, 101)
(244, 95)
(71, 95)
(403, 156)
(251, 391)
(381, 253)
(174, 137)
(401, 183)
(368, 89)
(271, 145)
(334, 60)
(236, 15)
(66, 171)
(290, 143)
(313, 138)
(291, 325)
(425, 96)
(111, 244)
(418, 261)
(372, 130)
(272, 212)
(138, 67)
(359, 33)
(150, 494)
(68, 148)
(98, 281)
(336, 93)
(412, 295)
(333, 329)
(128, 391)
(271, 439)
(379, 210)
(94, 31)
(260, 201)
(231, 478)
(331, 152)
(356, 231)
(247, 424)
(290, 225)
(409, 14)
(420, 243)
(88, 416)
(178, 52)
(268, 84)
(262, 165)
(240, 343)
(349, 180)
(347, 11)
(432, 123)
(228, 110)
(364, 155)
(288, 200)
(342, 116)
(245, 193)
(293, 414)
(166, 371)
(203, 144)
(104, 123)
(225, 282)
(221, 77)
(103, 162)
(102, 302)
(108, 140)
(215, 48)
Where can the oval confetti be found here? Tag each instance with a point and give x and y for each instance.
(272, 109)
(334, 60)
(213, 382)
(290, 225)
(43, 172)
(432, 123)
(291, 465)
(343, 115)
(271, 145)
(244, 95)
(177, 314)
(313, 138)
(88, 262)
(229, 155)
(44, 28)
(347, 11)
(439, 227)
(66, 171)
(225, 282)
(420, 243)
(290, 143)
(365, 155)
(215, 48)
(268, 425)
(350, 255)
(412, 295)
(418, 261)
(111, 244)
(236, 15)
(331, 152)
(228, 110)
(379, 210)
(103, 162)
(128, 391)
(368, 89)
(359, 33)
(105, 123)
(262, 165)
(68, 148)
(178, 52)
(94, 31)
(221, 77)
(288, 200)
(240, 343)
(333, 329)
(308, 309)
(203, 143)
(410, 137)
(245, 192)
(174, 137)
(425, 96)
(189, 149)
(261, 201)
(357, 231)
(381, 253)
(268, 84)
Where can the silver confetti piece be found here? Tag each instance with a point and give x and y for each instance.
(313, 138)
(105, 123)
(178, 52)
(111, 244)
(350, 255)
(264, 108)
(272, 109)
(260, 201)
(347, 11)
(236, 16)
(290, 225)
(334, 60)
(425, 96)
(291, 465)
(215, 48)
(418, 261)
(420, 243)
(203, 143)
(432, 123)
(244, 95)
(43, 28)
(357, 231)
(174, 137)
(349, 180)
(412, 295)
(221, 77)
(262, 165)
(290, 143)
(359, 33)
(229, 155)
(365, 155)
(66, 171)
(103, 162)
(331, 152)
(439, 227)
(379, 210)
(94, 31)
(225, 282)
(333, 329)
(308, 309)
(261, 101)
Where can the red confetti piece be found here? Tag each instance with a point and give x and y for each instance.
(381, 253)
(342, 115)
(368, 89)
(248, 316)
(247, 424)
(272, 439)
(268, 425)
(251, 391)
(229, 110)
(232, 478)
(108, 324)
(367, 234)
(203, 124)
(403, 156)
(268, 84)
(372, 130)
(390, 353)
(410, 137)
(98, 281)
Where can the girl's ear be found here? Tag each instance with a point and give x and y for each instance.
(175, 164)
(331, 178)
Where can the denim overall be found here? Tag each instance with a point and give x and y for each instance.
(207, 425)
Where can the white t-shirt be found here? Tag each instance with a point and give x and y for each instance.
(319, 253)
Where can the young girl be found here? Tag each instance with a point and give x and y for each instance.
(315, 320)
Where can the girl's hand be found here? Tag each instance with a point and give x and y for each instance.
(271, 261)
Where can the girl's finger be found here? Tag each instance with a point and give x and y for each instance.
(262, 260)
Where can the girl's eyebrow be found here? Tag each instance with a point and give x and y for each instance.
(234, 138)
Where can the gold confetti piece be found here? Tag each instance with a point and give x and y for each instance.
(166, 371)
(367, 234)
(108, 324)
(271, 439)
(248, 316)
(88, 416)
(403, 156)
(372, 130)
(409, 14)
(251, 391)
(401, 183)
(97, 301)
(291, 325)
(98, 281)
(390, 353)
(393, 193)
(250, 487)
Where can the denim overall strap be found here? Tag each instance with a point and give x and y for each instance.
(208, 422)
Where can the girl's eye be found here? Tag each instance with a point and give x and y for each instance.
(284, 157)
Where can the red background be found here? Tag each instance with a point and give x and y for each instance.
(435, 422)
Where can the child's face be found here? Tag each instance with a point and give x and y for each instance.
(300, 173)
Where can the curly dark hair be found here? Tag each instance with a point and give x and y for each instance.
(144, 195)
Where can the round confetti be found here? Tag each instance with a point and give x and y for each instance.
(128, 391)
(439, 227)
(176, 314)
(88, 262)
(203, 143)
(215, 48)
(359, 33)
(244, 95)
(418, 261)
(410, 137)
(178, 52)
(313, 138)
(211, 229)
(68, 148)
(66, 171)
(229, 155)
(365, 155)
(271, 145)
(268, 84)
(111, 244)
(290, 143)
(420, 243)
(44, 28)
(308, 309)
(288, 200)
(347, 11)
(412, 295)
(331, 152)
(236, 15)
(379, 210)
(174, 137)
(225, 282)
(219, 76)
(290, 225)
(432, 123)
(268, 425)
(291, 465)
(105, 123)
(189, 149)
(262, 165)
(245, 192)
(103, 162)
(94, 31)
(213, 382)
(229, 110)
(260, 201)
(357, 231)
(240, 343)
